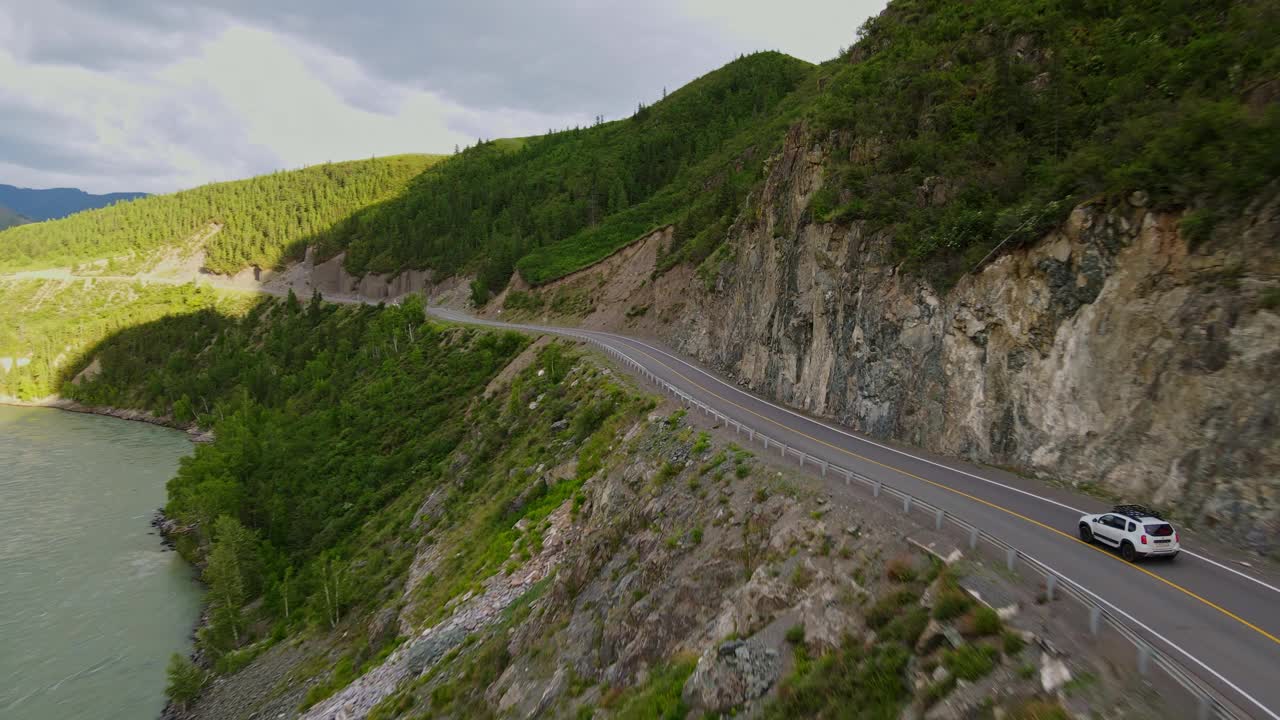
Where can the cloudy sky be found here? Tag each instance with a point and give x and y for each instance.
(112, 95)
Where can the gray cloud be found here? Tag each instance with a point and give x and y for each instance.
(401, 75)
(558, 56)
(103, 36)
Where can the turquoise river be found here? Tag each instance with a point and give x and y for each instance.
(91, 605)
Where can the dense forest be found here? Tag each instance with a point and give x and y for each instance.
(583, 192)
(264, 220)
(333, 423)
(965, 124)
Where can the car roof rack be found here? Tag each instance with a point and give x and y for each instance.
(1136, 512)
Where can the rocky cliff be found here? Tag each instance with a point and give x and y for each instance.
(1111, 353)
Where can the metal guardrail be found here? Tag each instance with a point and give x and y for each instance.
(1209, 702)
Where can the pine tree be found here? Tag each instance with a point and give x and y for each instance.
(185, 680)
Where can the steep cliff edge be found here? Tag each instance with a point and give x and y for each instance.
(1111, 353)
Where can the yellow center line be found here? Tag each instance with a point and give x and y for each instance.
(974, 498)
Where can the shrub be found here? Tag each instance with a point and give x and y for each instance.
(982, 621)
(970, 662)
(795, 634)
(185, 680)
(906, 628)
(1270, 299)
(802, 577)
(703, 442)
(888, 607)
(901, 569)
(1013, 642)
(951, 603)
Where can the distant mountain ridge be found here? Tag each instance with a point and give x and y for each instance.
(53, 203)
(9, 218)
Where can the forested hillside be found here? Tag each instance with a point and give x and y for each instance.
(959, 125)
(582, 193)
(262, 220)
(333, 425)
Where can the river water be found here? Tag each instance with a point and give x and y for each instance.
(91, 607)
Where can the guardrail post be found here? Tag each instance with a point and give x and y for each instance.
(737, 428)
(937, 521)
(1050, 584)
(765, 439)
(784, 449)
(802, 460)
(875, 492)
(751, 435)
(973, 538)
(1144, 659)
(906, 505)
(1095, 618)
(824, 468)
(1010, 556)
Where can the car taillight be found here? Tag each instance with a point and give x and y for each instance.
(1144, 539)
(1175, 537)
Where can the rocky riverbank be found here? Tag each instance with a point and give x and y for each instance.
(194, 432)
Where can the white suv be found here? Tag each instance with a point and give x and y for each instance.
(1138, 532)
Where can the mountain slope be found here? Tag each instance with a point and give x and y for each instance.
(56, 203)
(9, 218)
(1124, 336)
(959, 125)
(263, 220)
(494, 204)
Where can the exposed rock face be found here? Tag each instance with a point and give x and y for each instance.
(732, 674)
(1110, 352)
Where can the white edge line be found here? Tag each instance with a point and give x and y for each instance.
(1163, 639)
(873, 443)
(622, 338)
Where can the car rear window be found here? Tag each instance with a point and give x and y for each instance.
(1161, 530)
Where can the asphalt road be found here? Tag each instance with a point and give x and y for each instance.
(1220, 621)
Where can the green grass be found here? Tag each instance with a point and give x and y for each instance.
(659, 698)
(890, 606)
(848, 682)
(951, 603)
(970, 662)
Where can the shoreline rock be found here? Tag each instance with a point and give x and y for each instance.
(195, 433)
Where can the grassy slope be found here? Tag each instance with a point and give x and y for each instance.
(265, 219)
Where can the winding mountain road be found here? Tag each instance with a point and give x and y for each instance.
(1220, 622)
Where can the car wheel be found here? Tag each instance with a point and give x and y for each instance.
(1085, 533)
(1127, 552)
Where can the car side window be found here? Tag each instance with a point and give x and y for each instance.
(1112, 521)
(1132, 527)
